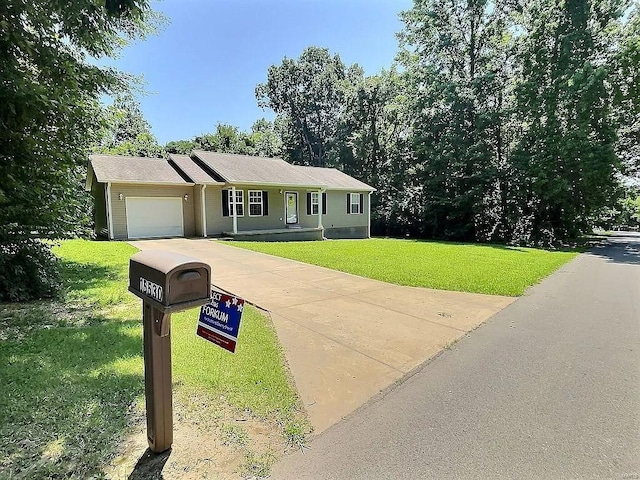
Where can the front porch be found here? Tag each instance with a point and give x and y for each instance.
(278, 234)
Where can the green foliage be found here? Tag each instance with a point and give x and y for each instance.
(308, 95)
(262, 141)
(126, 131)
(28, 270)
(49, 108)
(490, 269)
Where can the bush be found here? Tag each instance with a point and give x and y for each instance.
(28, 271)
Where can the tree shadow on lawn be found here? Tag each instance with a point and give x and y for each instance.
(68, 395)
(83, 276)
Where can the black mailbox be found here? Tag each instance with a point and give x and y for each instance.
(169, 281)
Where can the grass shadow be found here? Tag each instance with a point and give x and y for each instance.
(84, 276)
(68, 395)
(150, 465)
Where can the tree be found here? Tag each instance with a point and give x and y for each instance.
(126, 131)
(308, 96)
(456, 54)
(565, 158)
(49, 106)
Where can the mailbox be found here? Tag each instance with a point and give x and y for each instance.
(167, 282)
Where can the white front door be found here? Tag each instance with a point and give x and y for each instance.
(291, 207)
(149, 217)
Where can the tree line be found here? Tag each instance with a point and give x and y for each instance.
(500, 121)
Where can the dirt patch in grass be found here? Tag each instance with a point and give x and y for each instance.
(211, 442)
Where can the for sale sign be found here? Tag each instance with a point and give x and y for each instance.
(220, 320)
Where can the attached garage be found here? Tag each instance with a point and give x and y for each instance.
(151, 217)
(142, 198)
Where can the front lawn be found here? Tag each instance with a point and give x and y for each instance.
(71, 374)
(490, 269)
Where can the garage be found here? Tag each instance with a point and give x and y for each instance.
(149, 217)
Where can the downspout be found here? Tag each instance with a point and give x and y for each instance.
(204, 211)
(369, 217)
(235, 210)
(109, 211)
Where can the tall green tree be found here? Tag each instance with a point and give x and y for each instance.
(308, 96)
(49, 116)
(456, 53)
(565, 158)
(126, 131)
(49, 103)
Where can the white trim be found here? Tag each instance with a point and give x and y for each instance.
(204, 211)
(351, 204)
(109, 211)
(255, 203)
(306, 187)
(369, 217)
(234, 213)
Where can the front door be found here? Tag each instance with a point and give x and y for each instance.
(291, 207)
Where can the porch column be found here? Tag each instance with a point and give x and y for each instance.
(204, 211)
(235, 213)
(369, 216)
(319, 208)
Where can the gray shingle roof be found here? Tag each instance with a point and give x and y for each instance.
(193, 171)
(255, 170)
(333, 178)
(113, 168)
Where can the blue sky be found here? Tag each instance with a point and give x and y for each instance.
(203, 67)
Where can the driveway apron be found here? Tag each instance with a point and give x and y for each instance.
(345, 337)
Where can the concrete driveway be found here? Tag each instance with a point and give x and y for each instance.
(346, 338)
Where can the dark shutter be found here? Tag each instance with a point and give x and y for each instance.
(265, 203)
(362, 203)
(324, 203)
(308, 203)
(225, 203)
(348, 203)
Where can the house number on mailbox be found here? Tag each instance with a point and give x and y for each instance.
(152, 289)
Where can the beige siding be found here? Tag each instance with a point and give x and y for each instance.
(337, 215)
(119, 209)
(216, 223)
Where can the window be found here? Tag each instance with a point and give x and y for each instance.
(355, 203)
(239, 203)
(315, 203)
(255, 203)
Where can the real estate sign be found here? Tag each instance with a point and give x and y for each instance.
(220, 320)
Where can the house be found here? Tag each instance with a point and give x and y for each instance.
(209, 194)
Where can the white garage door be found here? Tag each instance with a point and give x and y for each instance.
(154, 217)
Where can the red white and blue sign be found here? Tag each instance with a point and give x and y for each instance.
(220, 320)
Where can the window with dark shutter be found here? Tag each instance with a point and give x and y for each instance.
(348, 203)
(324, 203)
(265, 203)
(361, 203)
(308, 203)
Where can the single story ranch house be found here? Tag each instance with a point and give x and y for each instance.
(208, 194)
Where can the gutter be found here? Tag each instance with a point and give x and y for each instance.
(204, 211)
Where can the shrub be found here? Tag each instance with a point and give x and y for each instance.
(28, 271)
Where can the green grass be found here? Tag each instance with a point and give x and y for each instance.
(71, 371)
(490, 269)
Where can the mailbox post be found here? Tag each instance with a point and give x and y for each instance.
(167, 282)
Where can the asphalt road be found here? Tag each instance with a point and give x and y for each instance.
(548, 388)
